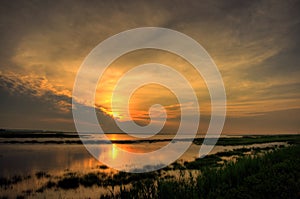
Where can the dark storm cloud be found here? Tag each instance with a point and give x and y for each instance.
(24, 104)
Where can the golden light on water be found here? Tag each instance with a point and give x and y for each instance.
(114, 151)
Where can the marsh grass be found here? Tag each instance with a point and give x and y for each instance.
(256, 173)
(6, 182)
(274, 175)
(198, 163)
(248, 140)
(42, 174)
(69, 182)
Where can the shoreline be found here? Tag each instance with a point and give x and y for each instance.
(223, 141)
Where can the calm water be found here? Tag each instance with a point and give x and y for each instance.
(58, 158)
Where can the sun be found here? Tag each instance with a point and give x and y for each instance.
(117, 115)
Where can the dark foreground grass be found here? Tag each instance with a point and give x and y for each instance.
(274, 175)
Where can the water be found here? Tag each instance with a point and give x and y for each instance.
(57, 158)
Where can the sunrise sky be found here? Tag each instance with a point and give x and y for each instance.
(255, 45)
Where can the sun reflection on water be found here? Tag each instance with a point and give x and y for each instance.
(114, 151)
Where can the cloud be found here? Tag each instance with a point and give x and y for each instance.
(36, 86)
(254, 44)
(273, 122)
(31, 102)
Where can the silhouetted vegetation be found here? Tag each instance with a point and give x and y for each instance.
(5, 182)
(210, 160)
(103, 167)
(89, 180)
(274, 175)
(42, 174)
(252, 175)
(245, 140)
(48, 185)
(70, 182)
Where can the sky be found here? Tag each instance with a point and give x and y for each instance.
(255, 45)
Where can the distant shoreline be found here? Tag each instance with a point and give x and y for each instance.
(66, 138)
(36, 131)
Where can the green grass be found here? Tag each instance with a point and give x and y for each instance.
(274, 175)
(209, 160)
